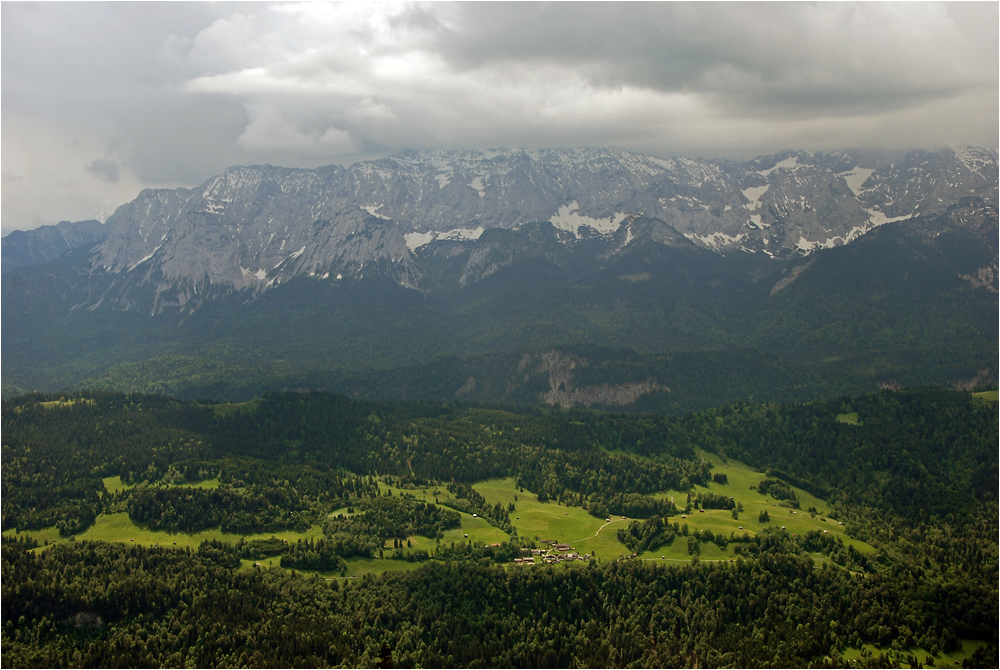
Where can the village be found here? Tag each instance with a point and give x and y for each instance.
(556, 553)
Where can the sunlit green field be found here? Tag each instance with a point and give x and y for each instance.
(587, 534)
(120, 528)
(52, 404)
(942, 660)
(356, 567)
(553, 521)
(742, 486)
(987, 396)
(113, 484)
(850, 417)
(477, 529)
(532, 519)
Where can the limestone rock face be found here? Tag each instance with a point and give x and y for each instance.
(252, 228)
(561, 366)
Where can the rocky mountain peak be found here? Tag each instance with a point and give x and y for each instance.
(253, 227)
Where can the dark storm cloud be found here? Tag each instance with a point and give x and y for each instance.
(781, 58)
(105, 169)
(173, 93)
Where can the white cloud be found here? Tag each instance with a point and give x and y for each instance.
(677, 76)
(237, 42)
(368, 109)
(269, 130)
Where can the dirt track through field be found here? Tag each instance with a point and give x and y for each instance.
(595, 534)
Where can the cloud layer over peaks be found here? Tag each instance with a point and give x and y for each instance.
(170, 94)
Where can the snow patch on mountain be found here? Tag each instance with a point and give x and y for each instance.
(717, 240)
(805, 245)
(856, 178)
(259, 275)
(753, 194)
(373, 210)
(416, 240)
(880, 219)
(477, 184)
(567, 219)
(461, 234)
(146, 257)
(790, 163)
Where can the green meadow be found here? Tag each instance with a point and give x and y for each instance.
(119, 527)
(587, 534)
(850, 418)
(925, 658)
(742, 485)
(473, 529)
(62, 402)
(113, 484)
(987, 396)
(356, 567)
(553, 521)
(533, 520)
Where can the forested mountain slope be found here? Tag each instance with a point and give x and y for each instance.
(669, 328)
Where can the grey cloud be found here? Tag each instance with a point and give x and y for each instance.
(777, 57)
(105, 169)
(177, 92)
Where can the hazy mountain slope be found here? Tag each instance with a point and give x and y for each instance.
(47, 243)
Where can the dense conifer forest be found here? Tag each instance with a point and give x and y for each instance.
(913, 474)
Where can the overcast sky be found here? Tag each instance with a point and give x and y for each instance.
(102, 100)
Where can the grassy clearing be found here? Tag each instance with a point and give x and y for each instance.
(637, 277)
(63, 402)
(114, 484)
(356, 567)
(850, 418)
(587, 534)
(228, 409)
(742, 486)
(554, 521)
(952, 659)
(987, 396)
(533, 520)
(473, 529)
(339, 511)
(44, 536)
(120, 528)
(203, 484)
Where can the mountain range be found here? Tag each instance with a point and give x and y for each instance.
(47, 243)
(576, 277)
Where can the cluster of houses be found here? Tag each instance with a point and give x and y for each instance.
(556, 553)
